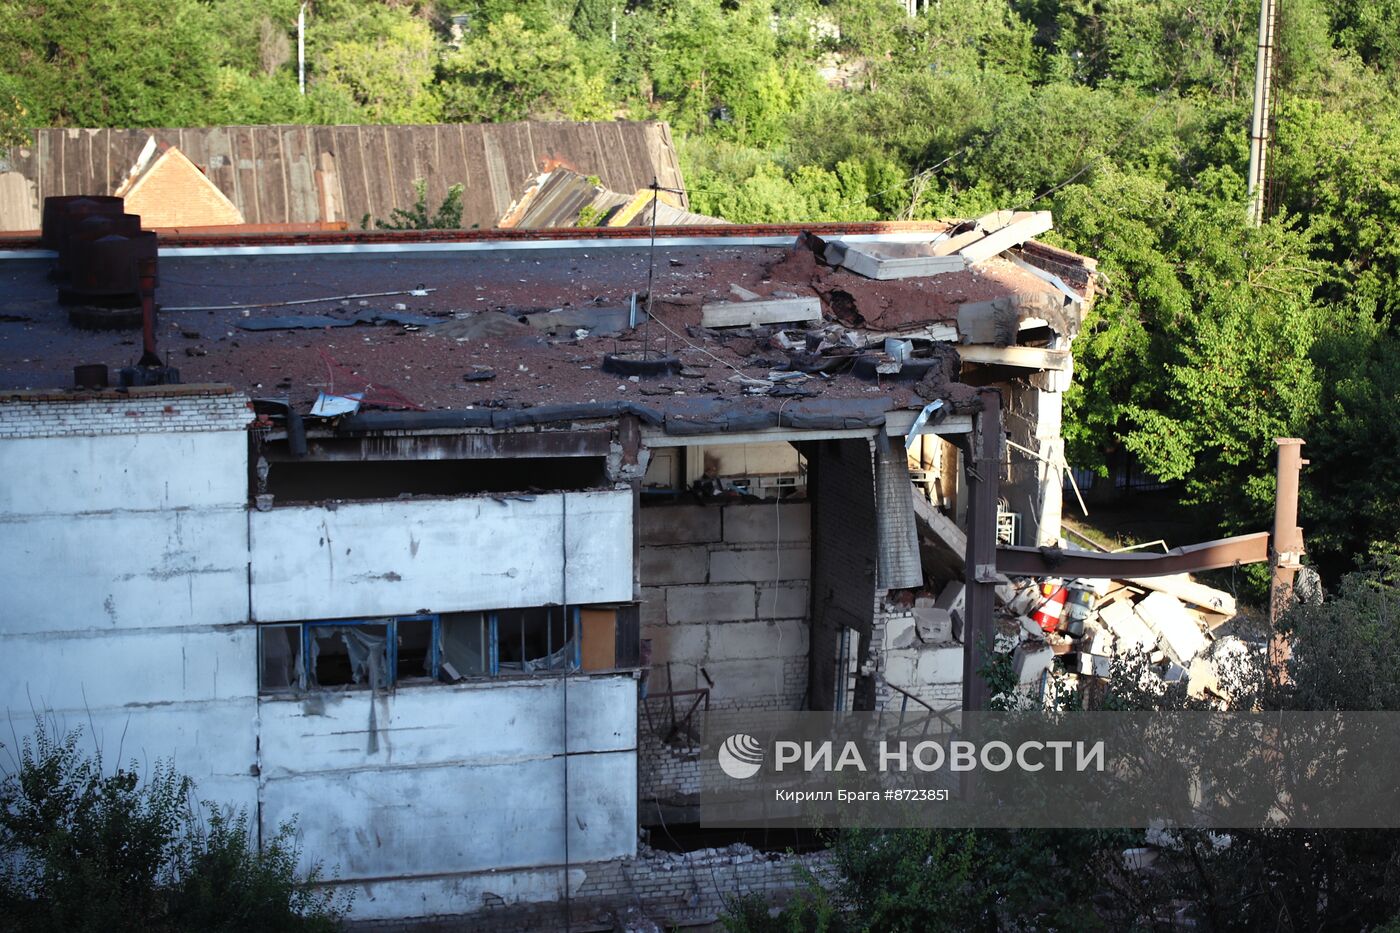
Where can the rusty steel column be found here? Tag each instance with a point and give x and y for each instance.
(980, 567)
(1287, 547)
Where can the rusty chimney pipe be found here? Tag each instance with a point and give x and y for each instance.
(146, 276)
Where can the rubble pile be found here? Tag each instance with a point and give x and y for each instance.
(1089, 622)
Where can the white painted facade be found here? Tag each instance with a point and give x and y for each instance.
(136, 575)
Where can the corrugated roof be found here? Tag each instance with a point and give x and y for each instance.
(311, 174)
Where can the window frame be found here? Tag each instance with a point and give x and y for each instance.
(391, 648)
(490, 618)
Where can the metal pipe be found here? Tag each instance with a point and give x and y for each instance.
(1259, 126)
(146, 277)
(301, 49)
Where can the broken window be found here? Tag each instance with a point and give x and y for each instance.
(466, 645)
(428, 648)
(535, 640)
(347, 653)
(353, 654)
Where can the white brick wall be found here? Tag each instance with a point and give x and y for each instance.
(151, 409)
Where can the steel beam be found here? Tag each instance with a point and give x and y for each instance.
(1191, 558)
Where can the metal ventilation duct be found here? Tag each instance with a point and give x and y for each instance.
(899, 566)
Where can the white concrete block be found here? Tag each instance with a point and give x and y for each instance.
(666, 566)
(740, 640)
(933, 625)
(760, 566)
(901, 668)
(1178, 633)
(1097, 640)
(899, 632)
(713, 603)
(1093, 665)
(1129, 632)
(941, 665)
(788, 601)
(953, 597)
(768, 523)
(746, 680)
(1030, 660)
(679, 524)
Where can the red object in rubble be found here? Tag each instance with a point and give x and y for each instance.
(1052, 609)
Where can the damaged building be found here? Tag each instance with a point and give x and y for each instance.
(443, 545)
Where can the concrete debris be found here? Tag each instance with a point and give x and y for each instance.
(1031, 660)
(900, 633)
(750, 313)
(1177, 633)
(934, 625)
(1114, 618)
(743, 294)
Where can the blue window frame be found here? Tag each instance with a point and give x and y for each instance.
(426, 647)
(370, 652)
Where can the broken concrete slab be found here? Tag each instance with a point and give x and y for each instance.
(1093, 665)
(1177, 633)
(1181, 586)
(1031, 660)
(1130, 632)
(900, 632)
(998, 322)
(899, 260)
(933, 625)
(750, 313)
(480, 325)
(1097, 640)
(742, 293)
(599, 322)
(1024, 227)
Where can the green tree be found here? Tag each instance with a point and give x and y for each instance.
(108, 63)
(82, 849)
(509, 70)
(383, 58)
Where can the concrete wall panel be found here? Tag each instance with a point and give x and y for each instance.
(123, 570)
(127, 472)
(128, 669)
(394, 822)
(443, 555)
(440, 725)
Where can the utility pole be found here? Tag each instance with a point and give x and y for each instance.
(301, 49)
(1259, 128)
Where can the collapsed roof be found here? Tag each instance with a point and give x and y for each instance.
(504, 329)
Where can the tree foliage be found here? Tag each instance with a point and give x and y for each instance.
(84, 849)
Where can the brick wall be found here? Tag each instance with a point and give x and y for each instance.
(134, 411)
(931, 672)
(668, 889)
(175, 193)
